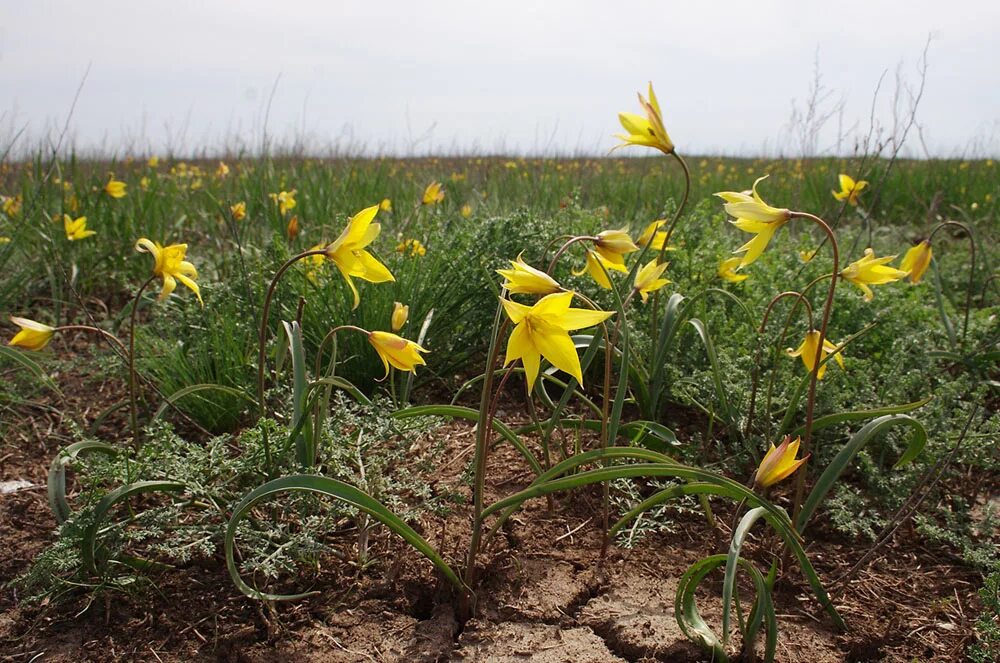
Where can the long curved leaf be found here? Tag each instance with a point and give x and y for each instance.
(732, 559)
(337, 490)
(56, 481)
(840, 462)
(467, 413)
(861, 415)
(89, 541)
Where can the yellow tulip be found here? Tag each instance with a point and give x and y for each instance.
(285, 200)
(916, 261)
(807, 351)
(33, 335)
(11, 204)
(597, 266)
(648, 279)
(169, 264)
(222, 170)
(349, 254)
(76, 230)
(412, 246)
(396, 351)
(153, 162)
(653, 236)
(543, 330)
(385, 205)
(466, 211)
(849, 189)
(807, 256)
(433, 194)
(400, 313)
(753, 215)
(614, 245)
(646, 131)
(115, 188)
(524, 279)
(727, 270)
(779, 463)
(239, 211)
(869, 270)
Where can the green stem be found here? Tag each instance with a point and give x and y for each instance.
(972, 267)
(132, 387)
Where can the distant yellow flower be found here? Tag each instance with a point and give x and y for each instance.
(144, 183)
(849, 189)
(869, 270)
(153, 162)
(648, 279)
(396, 351)
(778, 463)
(524, 279)
(293, 229)
(807, 351)
(349, 254)
(76, 230)
(385, 205)
(916, 261)
(807, 256)
(753, 215)
(239, 211)
(727, 271)
(4, 240)
(11, 205)
(315, 263)
(169, 264)
(221, 170)
(115, 188)
(597, 266)
(466, 211)
(400, 313)
(285, 200)
(433, 194)
(646, 131)
(33, 335)
(543, 330)
(412, 246)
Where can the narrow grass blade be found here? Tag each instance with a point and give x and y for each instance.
(57, 474)
(196, 388)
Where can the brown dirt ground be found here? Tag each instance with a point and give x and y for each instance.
(547, 595)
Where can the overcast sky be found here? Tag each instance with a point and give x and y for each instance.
(476, 76)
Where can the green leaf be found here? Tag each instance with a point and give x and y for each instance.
(89, 541)
(305, 448)
(337, 490)
(29, 364)
(851, 449)
(861, 415)
(195, 388)
(713, 360)
(57, 474)
(732, 559)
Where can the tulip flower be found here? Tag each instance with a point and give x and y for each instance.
(385, 205)
(293, 228)
(349, 254)
(33, 335)
(432, 194)
(869, 270)
(646, 131)
(524, 279)
(849, 189)
(400, 313)
(466, 211)
(614, 245)
(727, 270)
(916, 261)
(653, 236)
(76, 230)
(808, 352)
(239, 211)
(753, 215)
(648, 279)
(285, 200)
(11, 205)
(543, 330)
(778, 464)
(222, 170)
(115, 188)
(396, 351)
(169, 264)
(597, 266)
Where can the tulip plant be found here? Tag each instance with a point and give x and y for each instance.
(564, 348)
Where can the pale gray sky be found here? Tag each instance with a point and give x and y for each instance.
(480, 76)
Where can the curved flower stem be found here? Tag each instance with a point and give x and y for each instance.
(680, 208)
(262, 337)
(97, 330)
(562, 249)
(132, 387)
(800, 477)
(552, 242)
(756, 368)
(972, 267)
